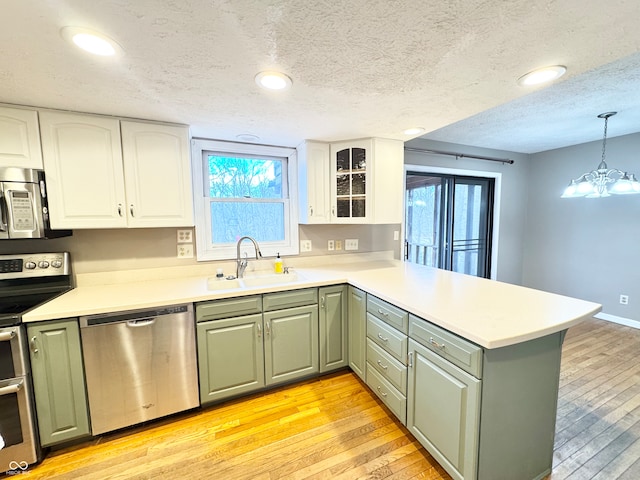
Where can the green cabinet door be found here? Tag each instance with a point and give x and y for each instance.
(290, 344)
(58, 381)
(333, 328)
(230, 357)
(443, 405)
(357, 322)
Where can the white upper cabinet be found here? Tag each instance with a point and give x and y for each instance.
(157, 174)
(83, 167)
(96, 179)
(313, 182)
(19, 138)
(355, 181)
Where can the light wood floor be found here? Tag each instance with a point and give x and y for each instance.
(334, 428)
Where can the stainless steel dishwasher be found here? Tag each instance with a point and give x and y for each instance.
(139, 365)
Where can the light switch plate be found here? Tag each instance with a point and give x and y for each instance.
(351, 244)
(185, 236)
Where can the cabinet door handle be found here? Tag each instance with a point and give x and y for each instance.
(32, 345)
(384, 339)
(310, 211)
(333, 211)
(267, 328)
(259, 330)
(120, 209)
(385, 314)
(410, 359)
(440, 346)
(322, 302)
(131, 210)
(384, 367)
(381, 392)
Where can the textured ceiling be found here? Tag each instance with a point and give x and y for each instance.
(359, 68)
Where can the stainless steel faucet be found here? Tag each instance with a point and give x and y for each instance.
(241, 264)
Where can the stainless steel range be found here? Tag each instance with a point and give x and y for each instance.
(26, 281)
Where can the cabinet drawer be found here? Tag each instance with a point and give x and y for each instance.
(290, 299)
(388, 338)
(458, 351)
(390, 368)
(390, 396)
(388, 313)
(232, 307)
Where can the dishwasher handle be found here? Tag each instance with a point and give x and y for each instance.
(141, 322)
(134, 318)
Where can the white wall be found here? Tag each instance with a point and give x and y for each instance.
(582, 247)
(513, 198)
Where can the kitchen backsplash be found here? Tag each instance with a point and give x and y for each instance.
(130, 249)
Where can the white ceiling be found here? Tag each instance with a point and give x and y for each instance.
(360, 68)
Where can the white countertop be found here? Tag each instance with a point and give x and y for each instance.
(489, 313)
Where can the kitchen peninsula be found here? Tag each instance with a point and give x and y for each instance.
(486, 352)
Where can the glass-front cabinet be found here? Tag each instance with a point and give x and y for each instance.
(354, 181)
(350, 179)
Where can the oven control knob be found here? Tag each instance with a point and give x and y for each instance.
(56, 263)
(43, 264)
(30, 265)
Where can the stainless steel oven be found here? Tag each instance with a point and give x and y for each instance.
(26, 281)
(16, 403)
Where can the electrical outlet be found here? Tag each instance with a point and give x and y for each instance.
(185, 236)
(185, 250)
(624, 299)
(338, 244)
(351, 244)
(331, 245)
(305, 245)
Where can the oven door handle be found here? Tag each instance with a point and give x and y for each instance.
(13, 388)
(7, 335)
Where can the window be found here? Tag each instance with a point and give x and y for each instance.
(243, 189)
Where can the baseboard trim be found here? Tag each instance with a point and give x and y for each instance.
(619, 320)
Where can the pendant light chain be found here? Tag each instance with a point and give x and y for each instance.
(604, 140)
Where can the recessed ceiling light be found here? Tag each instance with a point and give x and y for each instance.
(542, 75)
(91, 41)
(273, 80)
(248, 137)
(414, 131)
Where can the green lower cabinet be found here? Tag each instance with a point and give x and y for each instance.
(357, 336)
(230, 357)
(58, 381)
(334, 353)
(443, 411)
(290, 344)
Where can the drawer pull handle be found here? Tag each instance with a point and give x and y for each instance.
(382, 338)
(384, 367)
(441, 346)
(383, 313)
(381, 392)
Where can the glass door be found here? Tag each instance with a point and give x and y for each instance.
(448, 222)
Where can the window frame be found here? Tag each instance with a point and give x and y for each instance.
(205, 248)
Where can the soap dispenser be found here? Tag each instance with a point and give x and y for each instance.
(277, 264)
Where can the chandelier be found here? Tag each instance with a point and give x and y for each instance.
(603, 181)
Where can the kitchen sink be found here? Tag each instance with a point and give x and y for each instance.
(254, 281)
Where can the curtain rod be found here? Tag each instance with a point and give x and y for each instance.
(459, 155)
